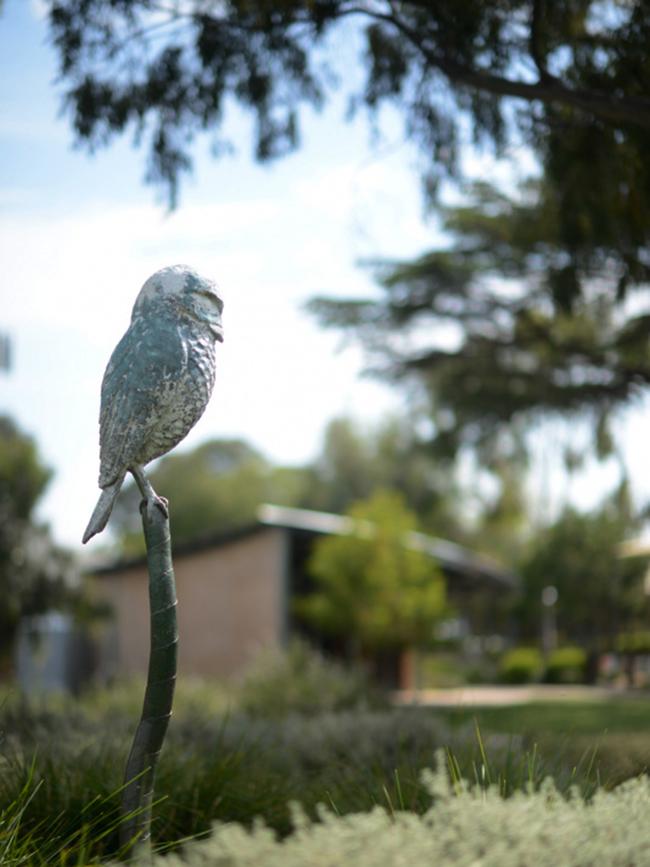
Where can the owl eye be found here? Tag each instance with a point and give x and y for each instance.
(206, 306)
(213, 299)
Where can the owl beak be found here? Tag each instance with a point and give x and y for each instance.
(217, 330)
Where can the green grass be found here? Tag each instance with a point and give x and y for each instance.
(626, 714)
(600, 742)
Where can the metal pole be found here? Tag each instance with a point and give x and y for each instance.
(549, 620)
(135, 828)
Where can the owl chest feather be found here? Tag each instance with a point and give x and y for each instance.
(182, 394)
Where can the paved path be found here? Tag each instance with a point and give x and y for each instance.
(485, 696)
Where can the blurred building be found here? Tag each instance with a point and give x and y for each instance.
(235, 595)
(52, 654)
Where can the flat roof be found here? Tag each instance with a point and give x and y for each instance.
(450, 555)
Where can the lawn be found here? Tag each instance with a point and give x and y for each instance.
(567, 718)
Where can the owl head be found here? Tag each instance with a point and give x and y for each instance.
(178, 290)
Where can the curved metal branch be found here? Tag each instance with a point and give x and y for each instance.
(135, 829)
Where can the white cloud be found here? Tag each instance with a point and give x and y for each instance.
(33, 130)
(39, 9)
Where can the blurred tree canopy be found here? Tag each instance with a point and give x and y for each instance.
(504, 524)
(371, 584)
(354, 463)
(599, 593)
(35, 574)
(501, 327)
(569, 78)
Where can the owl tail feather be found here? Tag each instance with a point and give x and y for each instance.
(103, 509)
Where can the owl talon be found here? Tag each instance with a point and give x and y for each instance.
(152, 502)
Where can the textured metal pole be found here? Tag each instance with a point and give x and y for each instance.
(135, 828)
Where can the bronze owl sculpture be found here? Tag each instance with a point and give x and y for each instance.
(158, 381)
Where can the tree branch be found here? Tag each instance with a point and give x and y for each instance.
(535, 43)
(626, 109)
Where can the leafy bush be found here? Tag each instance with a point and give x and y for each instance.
(464, 825)
(440, 670)
(634, 642)
(193, 695)
(521, 665)
(566, 665)
(300, 680)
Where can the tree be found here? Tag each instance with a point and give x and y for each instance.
(35, 574)
(568, 78)
(504, 524)
(354, 463)
(599, 594)
(500, 327)
(372, 586)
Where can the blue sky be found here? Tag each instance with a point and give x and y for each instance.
(79, 234)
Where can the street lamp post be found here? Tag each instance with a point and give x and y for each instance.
(549, 620)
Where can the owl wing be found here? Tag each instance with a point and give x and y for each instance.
(133, 387)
